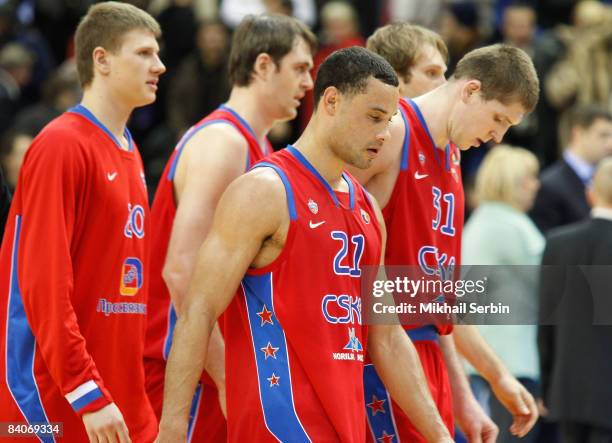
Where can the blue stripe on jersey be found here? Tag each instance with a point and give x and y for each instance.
(351, 187)
(298, 155)
(170, 330)
(272, 360)
(82, 110)
(288, 190)
(242, 121)
(417, 111)
(378, 406)
(85, 400)
(190, 133)
(406, 143)
(425, 333)
(193, 412)
(20, 350)
(448, 159)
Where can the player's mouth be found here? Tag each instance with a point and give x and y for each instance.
(153, 84)
(373, 152)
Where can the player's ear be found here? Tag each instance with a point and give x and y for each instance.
(470, 88)
(101, 60)
(330, 100)
(264, 64)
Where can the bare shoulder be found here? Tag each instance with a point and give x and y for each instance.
(256, 199)
(215, 153)
(216, 140)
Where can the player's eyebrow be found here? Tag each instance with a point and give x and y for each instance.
(379, 109)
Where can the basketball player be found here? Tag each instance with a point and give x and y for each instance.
(269, 68)
(74, 261)
(417, 181)
(295, 233)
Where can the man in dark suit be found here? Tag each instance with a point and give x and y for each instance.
(575, 338)
(586, 131)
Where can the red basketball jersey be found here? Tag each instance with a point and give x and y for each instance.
(424, 216)
(295, 351)
(73, 282)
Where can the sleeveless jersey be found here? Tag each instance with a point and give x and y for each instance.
(424, 216)
(162, 317)
(294, 354)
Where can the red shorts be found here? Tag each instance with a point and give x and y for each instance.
(206, 421)
(385, 420)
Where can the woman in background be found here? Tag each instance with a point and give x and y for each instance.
(500, 234)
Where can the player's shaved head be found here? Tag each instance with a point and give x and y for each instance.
(349, 69)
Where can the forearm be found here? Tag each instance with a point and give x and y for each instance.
(459, 383)
(215, 360)
(477, 351)
(399, 367)
(184, 368)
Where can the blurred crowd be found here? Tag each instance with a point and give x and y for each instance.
(570, 42)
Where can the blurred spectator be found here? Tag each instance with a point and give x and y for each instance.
(200, 83)
(12, 31)
(339, 29)
(233, 11)
(14, 147)
(178, 26)
(459, 27)
(575, 338)
(15, 72)
(500, 233)
(418, 12)
(518, 28)
(551, 47)
(587, 135)
(583, 75)
(59, 93)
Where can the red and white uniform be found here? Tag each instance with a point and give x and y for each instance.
(424, 219)
(207, 423)
(295, 351)
(73, 282)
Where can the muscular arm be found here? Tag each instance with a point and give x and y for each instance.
(515, 398)
(240, 226)
(209, 162)
(398, 365)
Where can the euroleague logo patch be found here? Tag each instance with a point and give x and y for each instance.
(365, 216)
(131, 276)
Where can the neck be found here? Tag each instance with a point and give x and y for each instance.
(435, 110)
(245, 102)
(577, 151)
(317, 151)
(111, 112)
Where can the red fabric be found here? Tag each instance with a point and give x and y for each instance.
(319, 338)
(76, 230)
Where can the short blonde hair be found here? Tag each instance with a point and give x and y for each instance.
(506, 73)
(401, 44)
(105, 25)
(501, 172)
